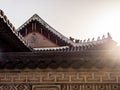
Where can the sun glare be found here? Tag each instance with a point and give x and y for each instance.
(110, 22)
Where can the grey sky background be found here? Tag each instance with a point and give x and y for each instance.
(81, 19)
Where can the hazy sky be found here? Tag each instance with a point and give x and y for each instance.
(77, 18)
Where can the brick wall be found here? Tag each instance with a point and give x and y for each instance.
(37, 80)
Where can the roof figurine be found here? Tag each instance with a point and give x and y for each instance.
(109, 36)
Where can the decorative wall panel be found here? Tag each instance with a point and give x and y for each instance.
(60, 77)
(60, 81)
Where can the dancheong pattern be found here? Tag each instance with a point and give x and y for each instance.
(60, 81)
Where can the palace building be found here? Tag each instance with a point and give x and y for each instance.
(37, 57)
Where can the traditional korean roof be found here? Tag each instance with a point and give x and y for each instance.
(11, 36)
(35, 17)
(70, 44)
(73, 44)
(75, 54)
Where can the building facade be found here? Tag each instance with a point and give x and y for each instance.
(37, 57)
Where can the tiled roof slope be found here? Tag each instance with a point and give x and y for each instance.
(102, 59)
(13, 31)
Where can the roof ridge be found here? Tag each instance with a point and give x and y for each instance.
(99, 40)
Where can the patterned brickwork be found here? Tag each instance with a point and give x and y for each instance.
(14, 87)
(91, 87)
(60, 77)
(59, 80)
(61, 86)
(46, 87)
